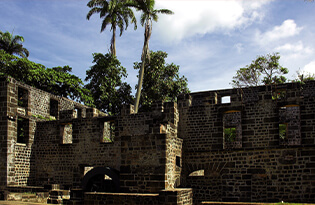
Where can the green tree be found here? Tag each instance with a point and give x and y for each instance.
(149, 14)
(264, 70)
(113, 12)
(57, 81)
(303, 76)
(12, 44)
(105, 83)
(161, 81)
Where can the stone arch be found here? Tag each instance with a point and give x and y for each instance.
(94, 180)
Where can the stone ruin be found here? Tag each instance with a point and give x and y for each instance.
(253, 144)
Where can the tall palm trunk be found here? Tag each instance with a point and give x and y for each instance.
(145, 54)
(113, 42)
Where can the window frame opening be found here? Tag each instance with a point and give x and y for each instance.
(230, 134)
(22, 97)
(107, 132)
(226, 99)
(66, 132)
(283, 131)
(22, 130)
(53, 107)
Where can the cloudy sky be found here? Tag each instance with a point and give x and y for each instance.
(209, 39)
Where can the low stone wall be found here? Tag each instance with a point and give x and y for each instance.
(166, 197)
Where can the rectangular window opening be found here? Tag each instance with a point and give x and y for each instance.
(226, 99)
(178, 161)
(229, 134)
(279, 95)
(66, 133)
(78, 112)
(53, 110)
(108, 132)
(283, 130)
(22, 130)
(22, 97)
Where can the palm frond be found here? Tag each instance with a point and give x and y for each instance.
(165, 11)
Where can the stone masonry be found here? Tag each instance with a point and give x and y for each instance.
(252, 145)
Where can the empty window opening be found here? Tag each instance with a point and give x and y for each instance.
(226, 99)
(22, 97)
(78, 112)
(283, 130)
(279, 95)
(197, 173)
(22, 130)
(229, 134)
(66, 133)
(53, 110)
(108, 132)
(178, 161)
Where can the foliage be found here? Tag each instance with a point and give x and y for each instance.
(264, 70)
(230, 134)
(56, 80)
(303, 76)
(161, 81)
(12, 44)
(105, 83)
(282, 131)
(149, 14)
(113, 12)
(44, 118)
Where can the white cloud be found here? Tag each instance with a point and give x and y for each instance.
(201, 17)
(287, 29)
(294, 50)
(309, 68)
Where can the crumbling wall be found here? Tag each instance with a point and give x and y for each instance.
(149, 149)
(63, 161)
(269, 158)
(22, 106)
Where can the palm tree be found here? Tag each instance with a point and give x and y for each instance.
(12, 44)
(114, 12)
(149, 14)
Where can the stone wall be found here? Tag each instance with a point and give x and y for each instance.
(149, 149)
(3, 132)
(63, 161)
(167, 197)
(270, 158)
(22, 106)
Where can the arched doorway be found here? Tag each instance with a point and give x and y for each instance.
(101, 179)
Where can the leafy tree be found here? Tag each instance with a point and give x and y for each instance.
(105, 83)
(57, 80)
(264, 70)
(149, 14)
(161, 81)
(12, 44)
(113, 12)
(303, 76)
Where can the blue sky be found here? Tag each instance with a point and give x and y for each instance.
(210, 40)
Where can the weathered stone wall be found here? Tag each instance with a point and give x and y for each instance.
(257, 175)
(259, 165)
(149, 149)
(3, 132)
(59, 161)
(167, 197)
(20, 102)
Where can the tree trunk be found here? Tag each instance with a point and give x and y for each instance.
(113, 42)
(145, 51)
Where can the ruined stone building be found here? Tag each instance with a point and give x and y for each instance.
(252, 144)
